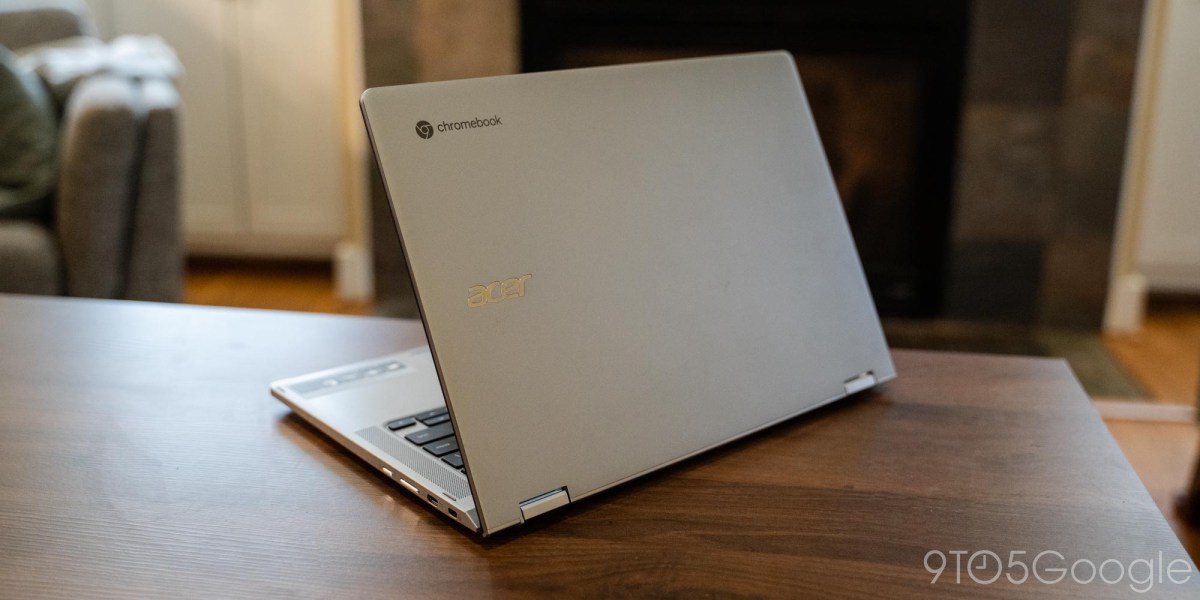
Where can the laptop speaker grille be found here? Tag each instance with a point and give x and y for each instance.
(454, 484)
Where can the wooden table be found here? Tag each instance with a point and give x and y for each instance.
(141, 455)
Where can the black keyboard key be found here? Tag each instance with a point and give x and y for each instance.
(401, 423)
(454, 459)
(429, 414)
(425, 436)
(442, 447)
(438, 420)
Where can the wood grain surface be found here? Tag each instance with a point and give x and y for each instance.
(142, 455)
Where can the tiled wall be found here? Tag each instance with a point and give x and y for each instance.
(1041, 154)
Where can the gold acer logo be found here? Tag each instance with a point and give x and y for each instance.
(496, 291)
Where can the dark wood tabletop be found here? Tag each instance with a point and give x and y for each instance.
(142, 455)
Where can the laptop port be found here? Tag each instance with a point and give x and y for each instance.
(431, 499)
(453, 513)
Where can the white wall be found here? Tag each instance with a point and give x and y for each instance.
(1168, 236)
(102, 13)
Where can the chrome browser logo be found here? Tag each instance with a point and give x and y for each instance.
(424, 129)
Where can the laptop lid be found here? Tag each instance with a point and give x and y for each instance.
(620, 267)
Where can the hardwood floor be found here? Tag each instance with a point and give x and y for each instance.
(298, 286)
(1164, 357)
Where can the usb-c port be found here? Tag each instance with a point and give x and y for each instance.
(431, 499)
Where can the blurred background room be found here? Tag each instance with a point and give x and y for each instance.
(1020, 175)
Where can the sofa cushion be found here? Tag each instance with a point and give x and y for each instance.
(30, 262)
(28, 141)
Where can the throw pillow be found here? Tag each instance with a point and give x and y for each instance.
(28, 141)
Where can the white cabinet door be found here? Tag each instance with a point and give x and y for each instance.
(291, 96)
(265, 167)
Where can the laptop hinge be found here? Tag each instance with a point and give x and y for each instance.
(543, 503)
(860, 382)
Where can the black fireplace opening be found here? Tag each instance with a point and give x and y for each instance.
(884, 80)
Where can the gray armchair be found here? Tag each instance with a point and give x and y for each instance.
(115, 229)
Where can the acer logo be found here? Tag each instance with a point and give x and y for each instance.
(496, 291)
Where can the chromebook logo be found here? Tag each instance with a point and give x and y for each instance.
(425, 129)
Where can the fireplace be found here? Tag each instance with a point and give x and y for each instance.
(883, 79)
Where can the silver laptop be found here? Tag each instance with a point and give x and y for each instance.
(617, 268)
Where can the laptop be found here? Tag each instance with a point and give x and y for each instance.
(617, 268)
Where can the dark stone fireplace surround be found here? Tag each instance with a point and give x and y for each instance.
(1022, 216)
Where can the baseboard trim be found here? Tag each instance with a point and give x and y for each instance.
(352, 272)
(1126, 307)
(1180, 277)
(1159, 412)
(260, 246)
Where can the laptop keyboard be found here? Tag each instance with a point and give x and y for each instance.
(437, 438)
